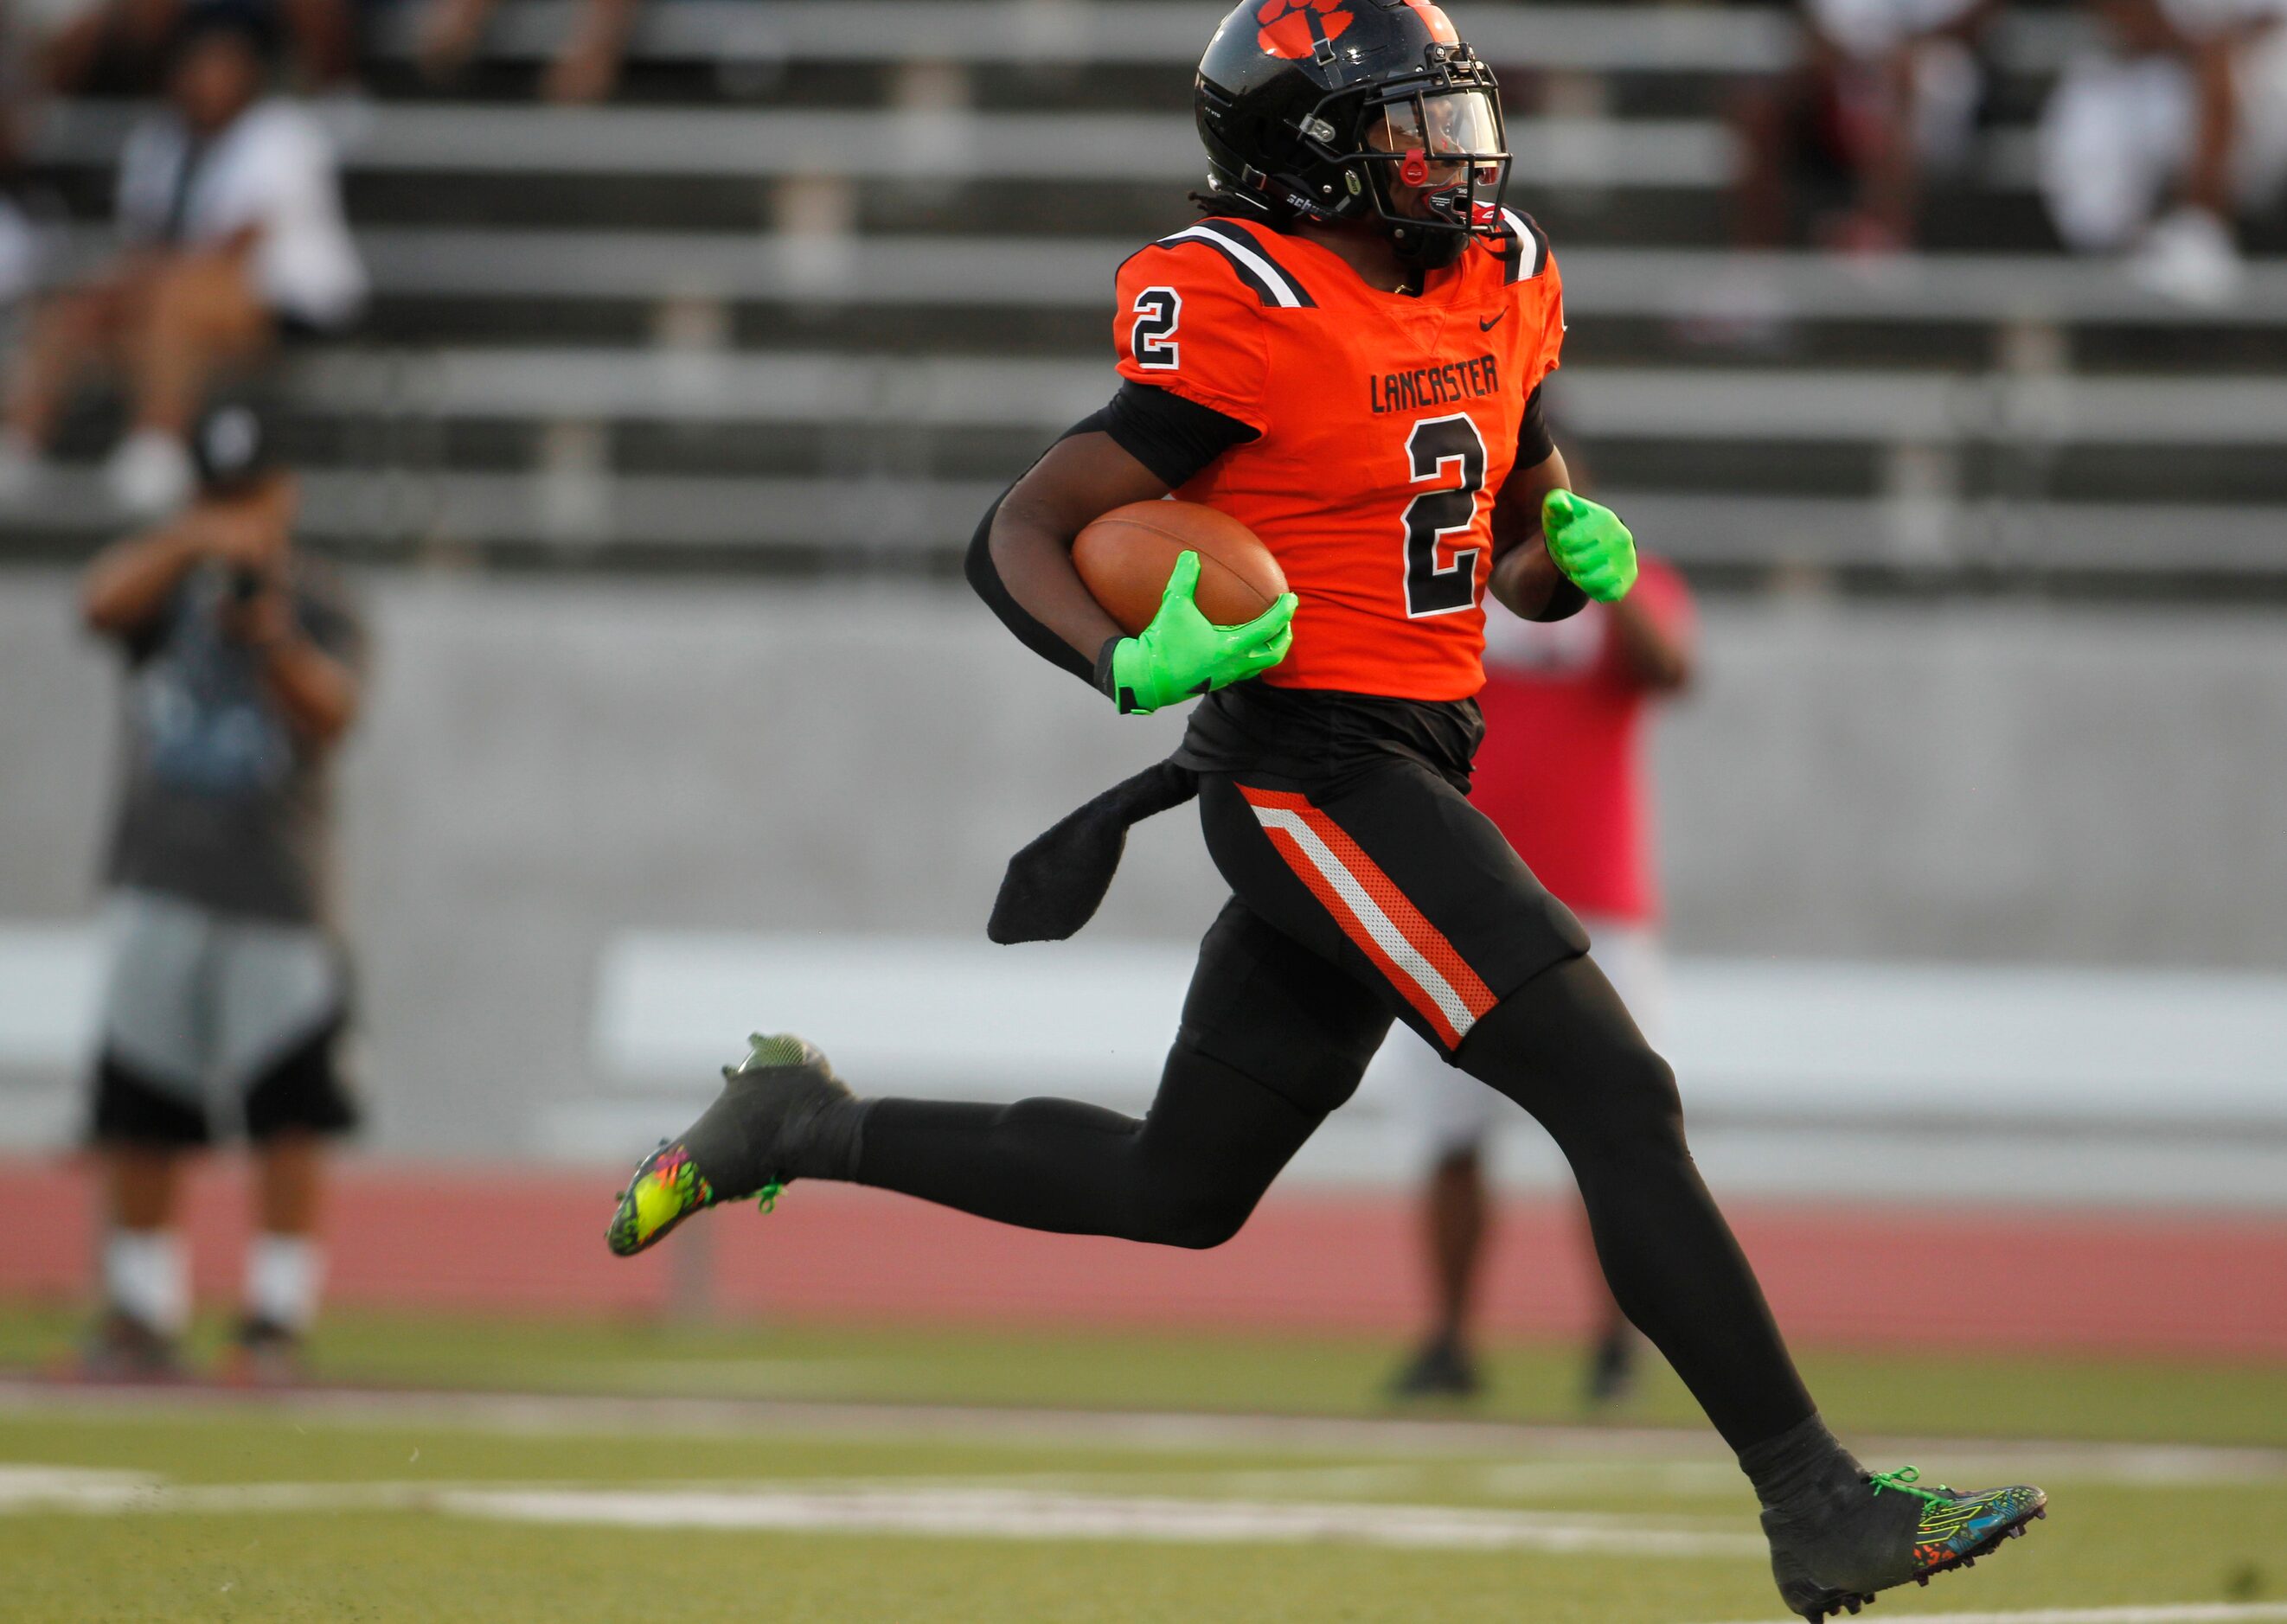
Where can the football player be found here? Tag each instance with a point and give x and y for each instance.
(1345, 352)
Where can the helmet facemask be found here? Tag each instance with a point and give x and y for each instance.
(1435, 169)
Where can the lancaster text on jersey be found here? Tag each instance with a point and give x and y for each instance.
(1429, 386)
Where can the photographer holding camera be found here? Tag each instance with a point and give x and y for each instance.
(228, 988)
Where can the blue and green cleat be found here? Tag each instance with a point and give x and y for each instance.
(782, 1115)
(1839, 1564)
(1955, 1529)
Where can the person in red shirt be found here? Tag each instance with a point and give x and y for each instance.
(1562, 773)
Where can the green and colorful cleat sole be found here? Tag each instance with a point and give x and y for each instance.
(782, 1114)
(1955, 1530)
(666, 1189)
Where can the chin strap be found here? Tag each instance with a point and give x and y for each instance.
(1430, 250)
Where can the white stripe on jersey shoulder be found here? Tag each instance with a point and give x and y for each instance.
(1268, 279)
(1528, 246)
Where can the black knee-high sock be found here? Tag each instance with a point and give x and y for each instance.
(1187, 1174)
(1564, 1048)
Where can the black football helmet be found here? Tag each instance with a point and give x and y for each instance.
(1328, 110)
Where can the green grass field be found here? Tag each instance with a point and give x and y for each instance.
(755, 1475)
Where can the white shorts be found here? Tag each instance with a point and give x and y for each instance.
(1449, 1111)
(2117, 135)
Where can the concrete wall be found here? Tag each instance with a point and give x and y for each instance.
(546, 764)
(2078, 783)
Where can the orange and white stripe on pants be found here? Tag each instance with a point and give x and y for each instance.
(1427, 970)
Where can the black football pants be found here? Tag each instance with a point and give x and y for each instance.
(1387, 894)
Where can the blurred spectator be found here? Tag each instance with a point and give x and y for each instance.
(1886, 91)
(19, 242)
(120, 47)
(1561, 774)
(230, 211)
(77, 47)
(228, 991)
(586, 69)
(2182, 110)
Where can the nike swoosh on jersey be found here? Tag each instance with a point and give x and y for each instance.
(1484, 325)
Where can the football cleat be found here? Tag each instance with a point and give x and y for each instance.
(1611, 1374)
(1442, 1369)
(1838, 1565)
(122, 1349)
(262, 1353)
(782, 1114)
(666, 1189)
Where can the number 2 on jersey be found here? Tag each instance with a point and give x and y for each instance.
(1152, 338)
(1432, 588)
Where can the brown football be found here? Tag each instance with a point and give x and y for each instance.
(1125, 556)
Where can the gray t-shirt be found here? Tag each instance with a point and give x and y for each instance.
(224, 804)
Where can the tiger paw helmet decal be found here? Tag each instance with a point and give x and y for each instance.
(1292, 30)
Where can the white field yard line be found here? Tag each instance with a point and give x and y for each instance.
(28, 1482)
(33, 1487)
(1020, 1514)
(2182, 1612)
(946, 1512)
(1616, 1448)
(1472, 1480)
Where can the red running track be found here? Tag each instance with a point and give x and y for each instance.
(431, 1235)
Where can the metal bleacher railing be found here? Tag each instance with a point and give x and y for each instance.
(1619, 38)
(1954, 462)
(1147, 33)
(917, 144)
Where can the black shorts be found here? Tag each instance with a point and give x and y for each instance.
(1395, 883)
(304, 1092)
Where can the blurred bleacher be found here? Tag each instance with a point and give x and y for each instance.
(830, 273)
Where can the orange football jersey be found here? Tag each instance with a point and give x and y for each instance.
(1387, 423)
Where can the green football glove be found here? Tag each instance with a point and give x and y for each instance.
(1590, 545)
(1181, 653)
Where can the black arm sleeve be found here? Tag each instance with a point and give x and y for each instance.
(984, 581)
(1172, 436)
(1565, 600)
(1534, 445)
